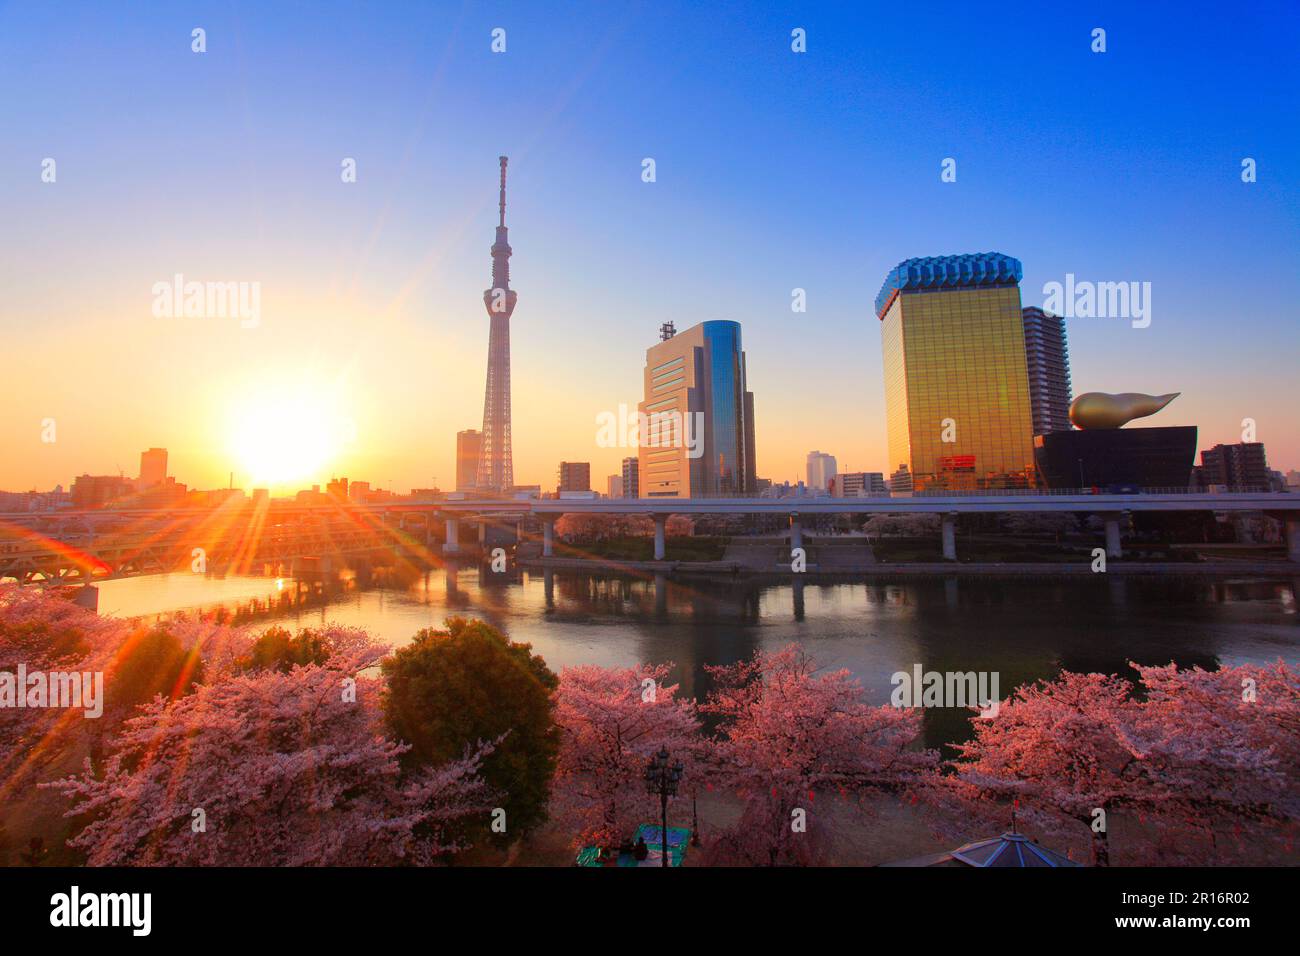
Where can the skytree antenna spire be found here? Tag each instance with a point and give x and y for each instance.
(502, 223)
(495, 466)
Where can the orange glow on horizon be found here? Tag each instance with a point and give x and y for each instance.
(285, 434)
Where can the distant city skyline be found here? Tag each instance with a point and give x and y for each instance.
(810, 172)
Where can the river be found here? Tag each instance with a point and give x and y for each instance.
(1021, 630)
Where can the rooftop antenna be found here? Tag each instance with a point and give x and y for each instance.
(504, 160)
(667, 331)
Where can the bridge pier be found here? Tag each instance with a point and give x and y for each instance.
(76, 547)
(87, 596)
(661, 524)
(949, 529)
(548, 536)
(1118, 589)
(1114, 548)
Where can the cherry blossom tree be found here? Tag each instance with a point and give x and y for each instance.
(595, 528)
(1051, 750)
(284, 763)
(1219, 753)
(1197, 757)
(891, 526)
(44, 632)
(271, 768)
(612, 720)
(41, 632)
(791, 736)
(1053, 523)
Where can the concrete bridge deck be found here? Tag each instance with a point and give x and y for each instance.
(54, 545)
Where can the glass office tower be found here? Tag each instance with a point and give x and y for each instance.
(956, 385)
(699, 436)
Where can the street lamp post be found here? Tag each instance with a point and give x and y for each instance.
(662, 779)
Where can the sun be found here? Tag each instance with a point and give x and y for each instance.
(285, 435)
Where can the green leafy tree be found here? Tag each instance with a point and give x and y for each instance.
(450, 689)
(152, 661)
(278, 649)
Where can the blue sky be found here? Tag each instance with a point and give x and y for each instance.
(775, 170)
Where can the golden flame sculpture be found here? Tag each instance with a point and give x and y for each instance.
(1103, 410)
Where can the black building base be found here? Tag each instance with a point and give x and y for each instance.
(1118, 458)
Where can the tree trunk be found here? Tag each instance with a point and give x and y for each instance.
(1100, 849)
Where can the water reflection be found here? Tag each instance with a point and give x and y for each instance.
(1024, 630)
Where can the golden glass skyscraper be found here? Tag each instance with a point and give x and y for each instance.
(956, 385)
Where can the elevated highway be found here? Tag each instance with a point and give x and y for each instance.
(76, 546)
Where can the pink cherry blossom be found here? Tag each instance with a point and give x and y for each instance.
(612, 721)
(788, 732)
